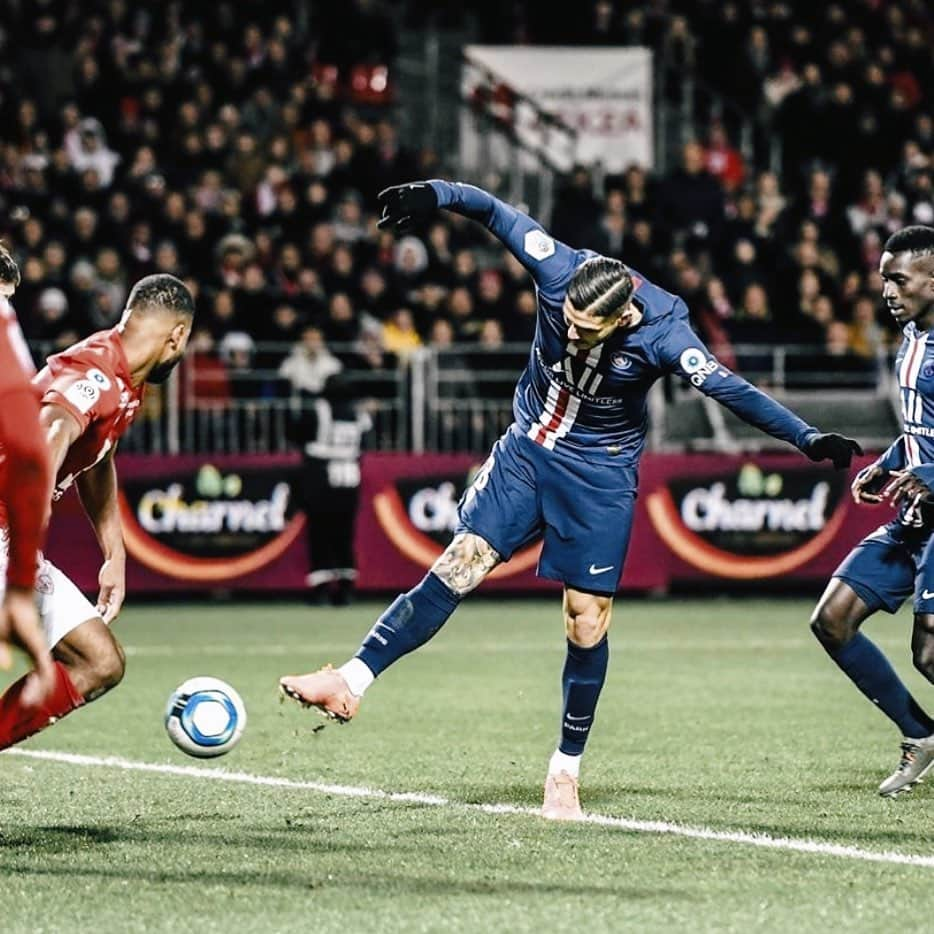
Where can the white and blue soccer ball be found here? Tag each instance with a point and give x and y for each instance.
(205, 717)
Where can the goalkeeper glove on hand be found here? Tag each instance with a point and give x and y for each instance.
(403, 205)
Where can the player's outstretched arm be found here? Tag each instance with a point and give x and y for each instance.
(97, 488)
(681, 351)
(547, 259)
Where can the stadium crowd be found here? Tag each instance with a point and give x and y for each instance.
(247, 160)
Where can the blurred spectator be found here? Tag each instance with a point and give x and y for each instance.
(309, 363)
(399, 334)
(239, 152)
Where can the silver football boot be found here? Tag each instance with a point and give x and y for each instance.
(917, 760)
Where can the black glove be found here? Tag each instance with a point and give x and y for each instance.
(403, 205)
(834, 448)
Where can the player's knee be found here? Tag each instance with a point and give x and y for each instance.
(586, 626)
(106, 670)
(832, 629)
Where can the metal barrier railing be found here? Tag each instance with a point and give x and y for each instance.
(453, 399)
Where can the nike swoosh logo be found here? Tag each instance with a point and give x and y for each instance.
(596, 570)
(927, 595)
(567, 716)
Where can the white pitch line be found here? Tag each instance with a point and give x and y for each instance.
(764, 841)
(168, 650)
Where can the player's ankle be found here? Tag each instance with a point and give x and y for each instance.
(357, 675)
(563, 762)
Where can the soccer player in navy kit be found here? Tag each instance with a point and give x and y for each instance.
(894, 562)
(566, 469)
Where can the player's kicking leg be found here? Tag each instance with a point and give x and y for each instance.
(409, 622)
(88, 659)
(836, 621)
(586, 621)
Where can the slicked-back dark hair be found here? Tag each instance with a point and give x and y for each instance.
(600, 286)
(916, 239)
(162, 291)
(9, 271)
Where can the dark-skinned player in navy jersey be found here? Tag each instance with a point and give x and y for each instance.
(566, 469)
(897, 560)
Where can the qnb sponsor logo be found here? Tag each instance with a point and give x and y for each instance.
(433, 509)
(165, 511)
(696, 366)
(709, 509)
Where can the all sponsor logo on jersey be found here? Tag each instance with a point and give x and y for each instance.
(749, 523)
(697, 366)
(208, 524)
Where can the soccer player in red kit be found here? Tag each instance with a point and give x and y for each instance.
(25, 483)
(90, 395)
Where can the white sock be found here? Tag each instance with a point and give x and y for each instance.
(562, 762)
(357, 676)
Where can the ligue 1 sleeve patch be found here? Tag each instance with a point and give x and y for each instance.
(82, 395)
(539, 245)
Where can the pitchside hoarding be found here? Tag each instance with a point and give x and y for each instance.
(234, 523)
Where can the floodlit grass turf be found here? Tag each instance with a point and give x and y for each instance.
(716, 713)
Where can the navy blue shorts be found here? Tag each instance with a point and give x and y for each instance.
(583, 510)
(890, 565)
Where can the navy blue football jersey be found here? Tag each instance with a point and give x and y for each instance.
(593, 402)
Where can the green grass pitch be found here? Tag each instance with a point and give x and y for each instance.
(717, 714)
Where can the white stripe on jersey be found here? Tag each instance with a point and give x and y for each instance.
(588, 382)
(567, 422)
(912, 402)
(547, 412)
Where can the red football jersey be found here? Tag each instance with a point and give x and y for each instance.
(15, 361)
(91, 379)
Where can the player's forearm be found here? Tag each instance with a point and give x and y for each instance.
(894, 458)
(97, 489)
(761, 410)
(501, 219)
(27, 484)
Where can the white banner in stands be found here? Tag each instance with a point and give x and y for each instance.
(600, 99)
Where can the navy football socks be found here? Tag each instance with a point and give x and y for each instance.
(410, 621)
(866, 666)
(582, 681)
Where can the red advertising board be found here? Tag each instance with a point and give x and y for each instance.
(233, 523)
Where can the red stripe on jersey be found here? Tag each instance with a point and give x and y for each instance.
(916, 346)
(561, 404)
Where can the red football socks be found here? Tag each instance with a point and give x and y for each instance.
(18, 721)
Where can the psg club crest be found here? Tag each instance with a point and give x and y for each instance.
(621, 361)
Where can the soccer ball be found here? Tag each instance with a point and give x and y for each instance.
(205, 717)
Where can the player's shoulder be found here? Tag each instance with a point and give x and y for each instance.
(101, 352)
(655, 302)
